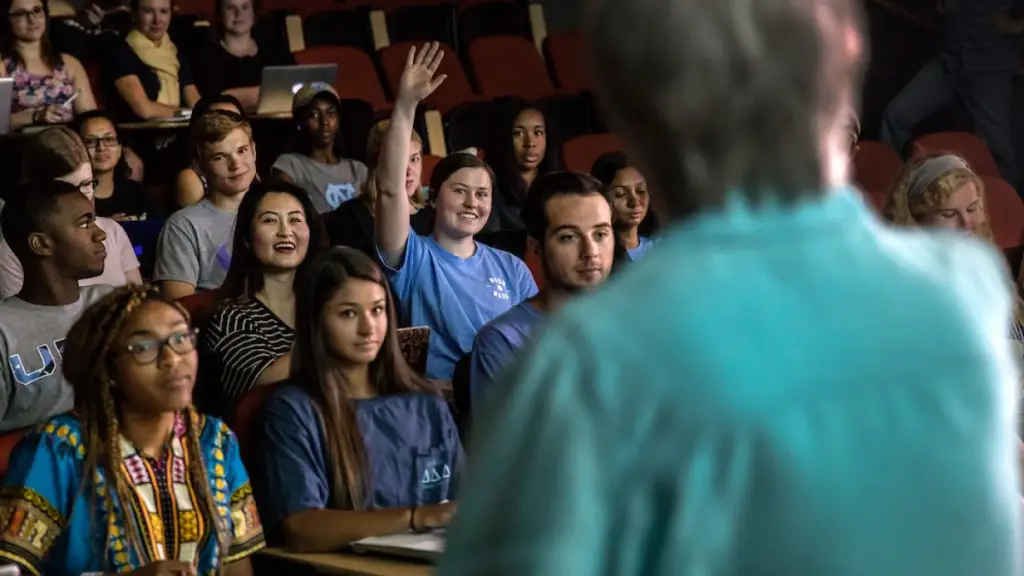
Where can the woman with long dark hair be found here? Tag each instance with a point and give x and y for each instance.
(49, 87)
(357, 444)
(519, 154)
(117, 195)
(134, 480)
(249, 338)
(626, 189)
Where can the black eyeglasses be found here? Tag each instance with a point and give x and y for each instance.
(147, 351)
(88, 186)
(26, 14)
(101, 142)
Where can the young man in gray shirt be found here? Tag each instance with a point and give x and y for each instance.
(194, 249)
(51, 227)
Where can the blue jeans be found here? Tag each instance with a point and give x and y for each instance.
(987, 96)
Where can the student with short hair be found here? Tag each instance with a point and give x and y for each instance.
(356, 444)
(569, 223)
(248, 339)
(189, 185)
(447, 280)
(194, 248)
(134, 481)
(58, 152)
(51, 227)
(785, 385)
(316, 163)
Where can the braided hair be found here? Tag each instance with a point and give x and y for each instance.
(88, 357)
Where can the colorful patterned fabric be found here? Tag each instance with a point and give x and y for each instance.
(51, 524)
(32, 91)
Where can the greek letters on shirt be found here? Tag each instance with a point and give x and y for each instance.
(48, 354)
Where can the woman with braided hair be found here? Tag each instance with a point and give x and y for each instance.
(133, 480)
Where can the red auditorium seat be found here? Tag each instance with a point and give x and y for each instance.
(1005, 212)
(964, 144)
(876, 166)
(357, 78)
(7, 443)
(454, 91)
(95, 77)
(244, 417)
(509, 66)
(200, 306)
(429, 161)
(202, 8)
(564, 54)
(579, 154)
(304, 8)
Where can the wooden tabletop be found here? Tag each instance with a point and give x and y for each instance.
(354, 564)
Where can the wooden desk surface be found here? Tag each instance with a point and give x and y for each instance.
(354, 564)
(182, 123)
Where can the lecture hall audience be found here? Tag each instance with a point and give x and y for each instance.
(118, 195)
(519, 154)
(58, 150)
(189, 184)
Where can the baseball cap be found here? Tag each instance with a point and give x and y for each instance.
(307, 92)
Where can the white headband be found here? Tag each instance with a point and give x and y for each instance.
(930, 171)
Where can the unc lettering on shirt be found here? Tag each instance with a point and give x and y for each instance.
(49, 366)
(498, 288)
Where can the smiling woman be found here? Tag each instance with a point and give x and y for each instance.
(249, 338)
(131, 361)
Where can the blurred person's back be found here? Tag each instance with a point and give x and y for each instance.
(783, 386)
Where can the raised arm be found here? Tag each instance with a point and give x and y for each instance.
(417, 82)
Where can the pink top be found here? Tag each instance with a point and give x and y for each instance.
(120, 259)
(32, 91)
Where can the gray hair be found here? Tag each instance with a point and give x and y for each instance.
(726, 95)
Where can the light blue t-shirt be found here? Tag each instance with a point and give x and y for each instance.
(772, 392)
(497, 344)
(455, 296)
(637, 253)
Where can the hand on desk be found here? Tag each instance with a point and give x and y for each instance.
(433, 516)
(52, 114)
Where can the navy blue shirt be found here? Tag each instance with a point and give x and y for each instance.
(412, 446)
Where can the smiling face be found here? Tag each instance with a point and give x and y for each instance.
(153, 18)
(155, 360)
(27, 20)
(229, 165)
(463, 203)
(280, 232)
(356, 321)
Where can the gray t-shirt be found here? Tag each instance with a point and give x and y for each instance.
(32, 342)
(195, 246)
(327, 184)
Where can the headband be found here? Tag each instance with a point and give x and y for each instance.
(930, 171)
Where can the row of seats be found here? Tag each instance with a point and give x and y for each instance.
(877, 166)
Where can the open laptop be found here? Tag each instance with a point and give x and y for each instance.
(420, 546)
(280, 83)
(6, 93)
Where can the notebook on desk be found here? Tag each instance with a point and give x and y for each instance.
(424, 546)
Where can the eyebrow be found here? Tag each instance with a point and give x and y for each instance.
(464, 185)
(357, 304)
(146, 332)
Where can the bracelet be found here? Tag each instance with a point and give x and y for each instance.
(412, 519)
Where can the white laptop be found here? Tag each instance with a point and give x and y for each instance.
(421, 546)
(280, 83)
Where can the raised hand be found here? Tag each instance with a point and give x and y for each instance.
(418, 79)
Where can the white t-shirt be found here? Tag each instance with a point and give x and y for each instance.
(121, 259)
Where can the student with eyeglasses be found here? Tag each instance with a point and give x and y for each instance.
(134, 480)
(57, 153)
(117, 196)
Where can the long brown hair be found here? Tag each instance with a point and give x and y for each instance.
(51, 56)
(311, 366)
(88, 356)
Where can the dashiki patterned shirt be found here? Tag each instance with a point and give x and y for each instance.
(50, 525)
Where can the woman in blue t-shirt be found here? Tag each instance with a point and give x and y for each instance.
(357, 444)
(626, 189)
(447, 280)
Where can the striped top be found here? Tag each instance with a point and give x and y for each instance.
(241, 340)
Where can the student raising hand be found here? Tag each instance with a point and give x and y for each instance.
(417, 81)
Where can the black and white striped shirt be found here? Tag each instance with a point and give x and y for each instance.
(241, 340)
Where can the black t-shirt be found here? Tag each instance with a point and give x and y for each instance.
(351, 224)
(130, 201)
(125, 62)
(218, 70)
